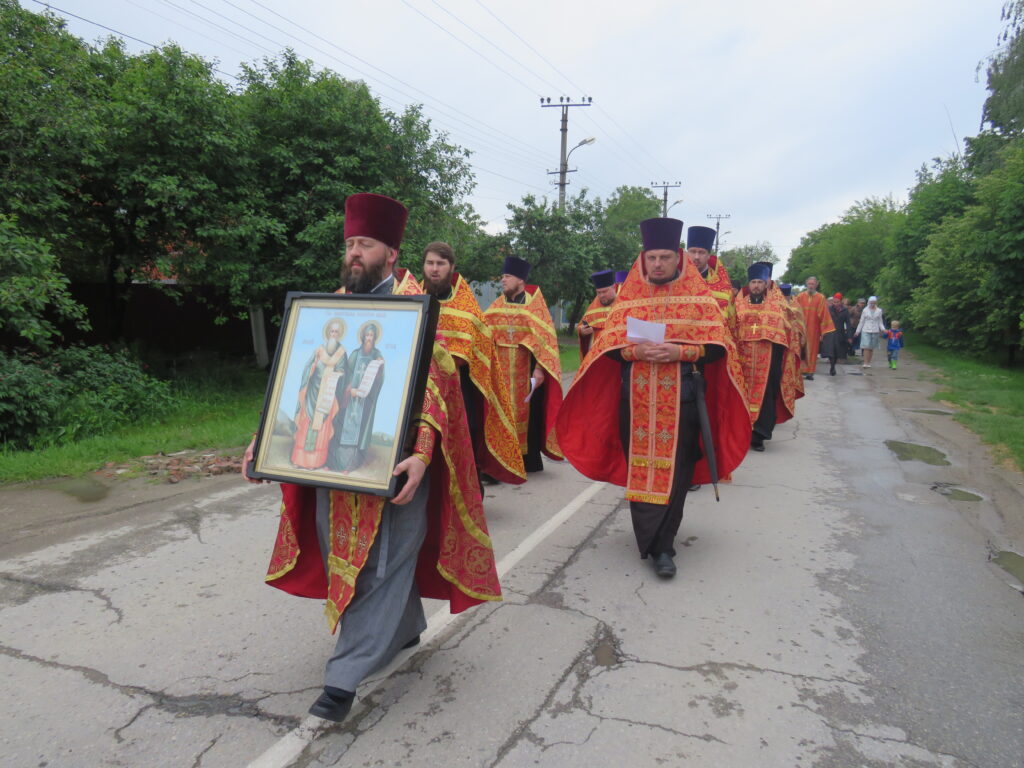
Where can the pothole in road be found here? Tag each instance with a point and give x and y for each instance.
(950, 491)
(915, 452)
(1012, 563)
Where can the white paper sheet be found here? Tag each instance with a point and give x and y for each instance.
(639, 331)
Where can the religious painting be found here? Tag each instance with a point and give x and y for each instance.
(348, 376)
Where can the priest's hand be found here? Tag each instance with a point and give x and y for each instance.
(538, 376)
(247, 461)
(586, 330)
(414, 470)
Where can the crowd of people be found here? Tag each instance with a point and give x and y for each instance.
(682, 374)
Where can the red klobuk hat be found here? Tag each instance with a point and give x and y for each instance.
(377, 216)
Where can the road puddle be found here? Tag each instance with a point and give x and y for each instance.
(915, 452)
(605, 655)
(85, 489)
(1012, 563)
(950, 491)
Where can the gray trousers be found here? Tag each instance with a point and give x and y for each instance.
(386, 611)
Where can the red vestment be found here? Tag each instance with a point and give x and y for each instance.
(595, 316)
(758, 328)
(521, 331)
(456, 561)
(466, 335)
(817, 322)
(588, 424)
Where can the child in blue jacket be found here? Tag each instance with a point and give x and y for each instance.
(895, 342)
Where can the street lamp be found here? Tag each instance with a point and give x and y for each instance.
(564, 170)
(677, 202)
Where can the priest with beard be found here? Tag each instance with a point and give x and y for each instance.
(485, 393)
(633, 413)
(371, 557)
(764, 335)
(699, 243)
(528, 356)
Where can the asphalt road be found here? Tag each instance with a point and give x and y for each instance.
(834, 609)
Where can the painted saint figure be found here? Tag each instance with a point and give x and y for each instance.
(321, 398)
(355, 425)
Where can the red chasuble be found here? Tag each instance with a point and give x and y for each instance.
(817, 322)
(588, 423)
(522, 330)
(595, 316)
(720, 286)
(456, 562)
(758, 327)
(463, 331)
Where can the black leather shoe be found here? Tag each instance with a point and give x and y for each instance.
(694, 487)
(412, 643)
(664, 566)
(809, 376)
(333, 704)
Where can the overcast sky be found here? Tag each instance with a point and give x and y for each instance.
(780, 114)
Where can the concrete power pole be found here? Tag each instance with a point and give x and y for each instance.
(564, 102)
(665, 187)
(718, 225)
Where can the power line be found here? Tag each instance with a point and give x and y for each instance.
(115, 31)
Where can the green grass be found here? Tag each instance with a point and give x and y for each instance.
(218, 410)
(989, 398)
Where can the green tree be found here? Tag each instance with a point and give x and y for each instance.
(33, 292)
(973, 267)
(620, 228)
(942, 190)
(738, 259)
(563, 247)
(848, 255)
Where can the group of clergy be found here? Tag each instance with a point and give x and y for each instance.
(680, 376)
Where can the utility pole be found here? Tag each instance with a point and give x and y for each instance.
(718, 225)
(665, 187)
(564, 102)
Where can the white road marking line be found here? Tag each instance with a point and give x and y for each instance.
(284, 752)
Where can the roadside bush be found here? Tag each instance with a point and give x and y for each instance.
(66, 394)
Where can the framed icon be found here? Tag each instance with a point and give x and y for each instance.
(347, 379)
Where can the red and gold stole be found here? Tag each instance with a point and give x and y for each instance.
(720, 286)
(468, 337)
(758, 326)
(456, 562)
(521, 330)
(595, 316)
(588, 424)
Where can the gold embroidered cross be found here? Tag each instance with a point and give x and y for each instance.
(664, 436)
(667, 381)
(641, 433)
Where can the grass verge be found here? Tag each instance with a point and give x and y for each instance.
(218, 410)
(989, 398)
(569, 355)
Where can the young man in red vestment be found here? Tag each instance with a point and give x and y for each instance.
(372, 558)
(528, 349)
(593, 320)
(699, 242)
(633, 413)
(468, 338)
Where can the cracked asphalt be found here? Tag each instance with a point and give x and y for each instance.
(832, 610)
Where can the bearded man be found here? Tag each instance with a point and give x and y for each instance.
(633, 413)
(485, 392)
(590, 325)
(528, 348)
(763, 336)
(372, 558)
